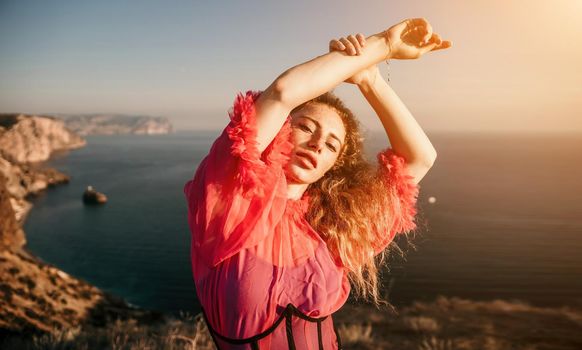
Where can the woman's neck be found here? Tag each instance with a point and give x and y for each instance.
(295, 191)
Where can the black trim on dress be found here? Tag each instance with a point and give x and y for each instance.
(287, 314)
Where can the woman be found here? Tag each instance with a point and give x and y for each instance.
(284, 210)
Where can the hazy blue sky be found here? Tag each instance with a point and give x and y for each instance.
(516, 65)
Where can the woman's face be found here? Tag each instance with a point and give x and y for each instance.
(318, 134)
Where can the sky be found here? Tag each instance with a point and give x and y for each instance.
(515, 65)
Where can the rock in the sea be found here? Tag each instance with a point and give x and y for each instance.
(90, 196)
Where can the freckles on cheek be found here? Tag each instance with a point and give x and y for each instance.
(295, 137)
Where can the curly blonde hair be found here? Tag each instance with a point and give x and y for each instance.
(348, 204)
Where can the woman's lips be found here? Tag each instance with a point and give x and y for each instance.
(310, 158)
(305, 161)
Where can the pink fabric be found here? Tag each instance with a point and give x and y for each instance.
(252, 250)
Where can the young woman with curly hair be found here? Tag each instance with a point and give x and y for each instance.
(286, 214)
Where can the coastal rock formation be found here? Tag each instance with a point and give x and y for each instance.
(24, 180)
(31, 138)
(26, 140)
(112, 124)
(36, 297)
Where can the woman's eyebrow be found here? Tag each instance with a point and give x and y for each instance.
(319, 126)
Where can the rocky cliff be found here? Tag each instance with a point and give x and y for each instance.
(31, 138)
(112, 124)
(34, 295)
(25, 141)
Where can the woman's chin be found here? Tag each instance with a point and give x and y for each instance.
(297, 174)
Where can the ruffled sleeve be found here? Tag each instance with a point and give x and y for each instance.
(402, 197)
(237, 195)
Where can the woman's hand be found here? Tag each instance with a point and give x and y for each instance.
(353, 45)
(413, 38)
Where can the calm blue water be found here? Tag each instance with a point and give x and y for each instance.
(507, 222)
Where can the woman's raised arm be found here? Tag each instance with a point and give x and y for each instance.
(308, 80)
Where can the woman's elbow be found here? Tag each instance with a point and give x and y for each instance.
(432, 159)
(285, 91)
(275, 91)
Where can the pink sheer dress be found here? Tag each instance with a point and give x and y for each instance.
(264, 277)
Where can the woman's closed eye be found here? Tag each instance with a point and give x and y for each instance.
(306, 128)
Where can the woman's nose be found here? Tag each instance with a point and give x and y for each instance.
(315, 143)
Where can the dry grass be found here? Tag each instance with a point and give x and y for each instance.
(445, 324)
(459, 324)
(434, 343)
(353, 335)
(421, 324)
(183, 333)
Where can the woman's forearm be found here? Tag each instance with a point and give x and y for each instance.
(308, 80)
(406, 136)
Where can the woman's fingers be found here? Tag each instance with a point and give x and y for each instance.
(335, 45)
(420, 28)
(355, 43)
(445, 44)
(350, 49)
(440, 43)
(352, 45)
(435, 43)
(437, 38)
(428, 29)
(362, 39)
(434, 39)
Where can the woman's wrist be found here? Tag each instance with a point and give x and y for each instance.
(388, 45)
(384, 42)
(369, 80)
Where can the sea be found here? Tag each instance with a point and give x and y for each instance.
(500, 218)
